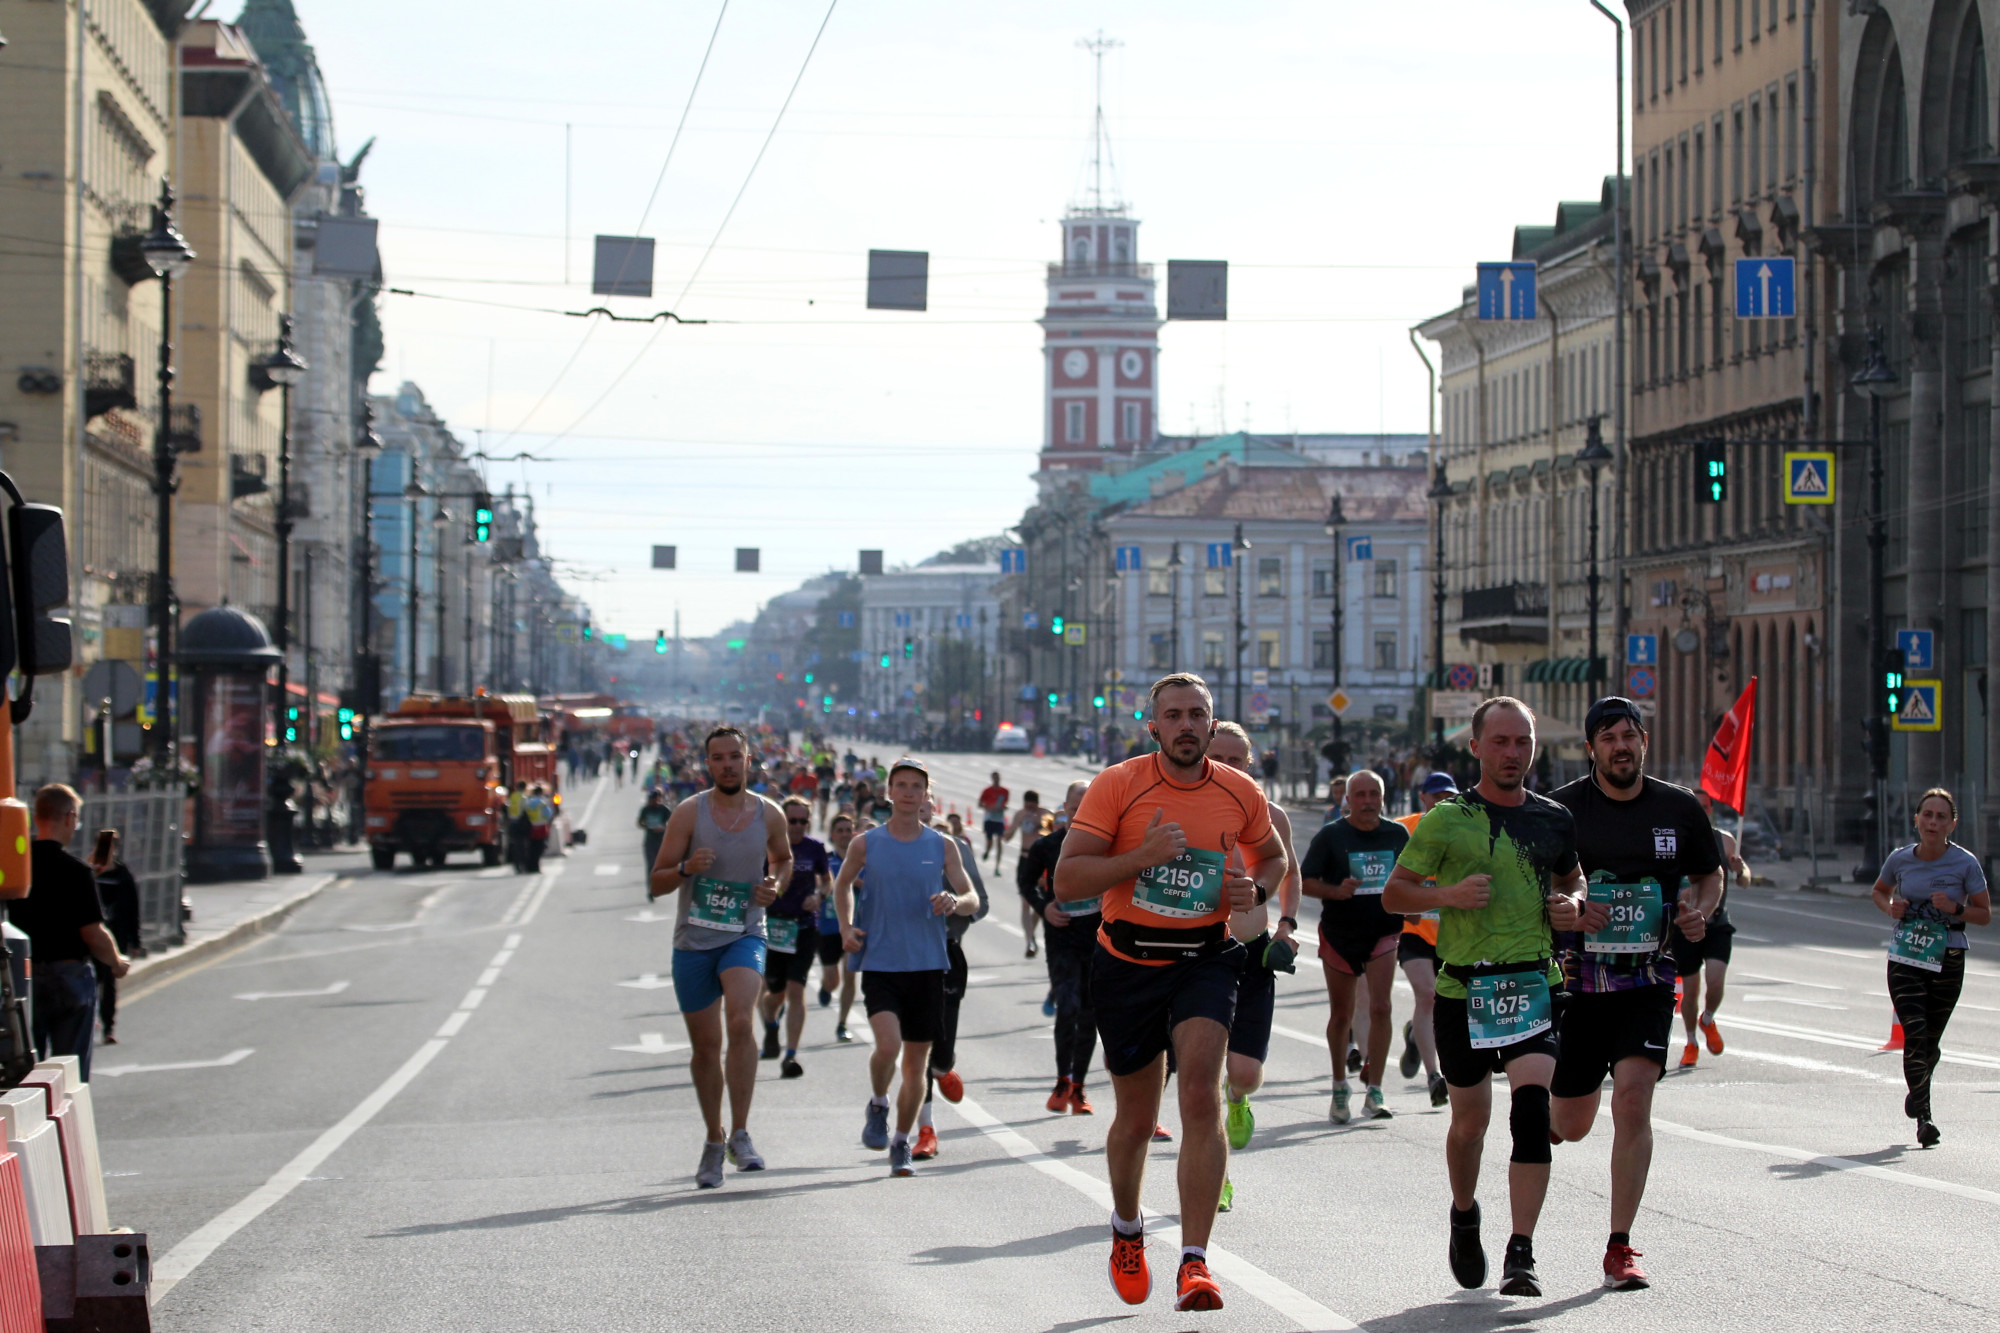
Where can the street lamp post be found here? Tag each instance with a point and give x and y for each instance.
(366, 674)
(1335, 521)
(1174, 589)
(439, 518)
(169, 255)
(413, 493)
(1238, 545)
(1440, 495)
(1593, 456)
(282, 369)
(1876, 378)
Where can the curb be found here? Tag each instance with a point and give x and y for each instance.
(159, 967)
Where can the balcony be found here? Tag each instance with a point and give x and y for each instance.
(184, 428)
(109, 380)
(1509, 613)
(1078, 269)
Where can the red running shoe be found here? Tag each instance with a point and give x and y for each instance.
(1711, 1034)
(1078, 1103)
(926, 1146)
(1198, 1290)
(1689, 1056)
(1621, 1273)
(1161, 1134)
(951, 1085)
(1059, 1099)
(1130, 1277)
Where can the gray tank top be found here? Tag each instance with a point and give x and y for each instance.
(713, 910)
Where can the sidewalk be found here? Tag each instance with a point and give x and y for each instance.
(227, 914)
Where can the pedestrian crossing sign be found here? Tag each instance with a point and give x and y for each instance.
(1920, 710)
(1808, 478)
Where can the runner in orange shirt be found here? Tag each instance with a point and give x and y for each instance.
(1152, 839)
(1418, 954)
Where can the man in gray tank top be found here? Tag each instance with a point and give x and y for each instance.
(897, 940)
(730, 849)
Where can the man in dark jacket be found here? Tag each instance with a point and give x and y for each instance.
(64, 923)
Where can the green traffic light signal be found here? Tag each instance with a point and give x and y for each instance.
(1055, 625)
(1053, 698)
(885, 660)
(809, 677)
(1097, 701)
(660, 641)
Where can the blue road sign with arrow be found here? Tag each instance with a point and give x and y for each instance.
(1918, 647)
(1507, 291)
(1764, 288)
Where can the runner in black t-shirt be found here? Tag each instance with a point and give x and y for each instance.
(1646, 848)
(1346, 868)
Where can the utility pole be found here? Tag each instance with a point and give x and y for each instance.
(1237, 547)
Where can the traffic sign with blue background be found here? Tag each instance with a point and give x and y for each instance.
(1764, 288)
(1642, 649)
(1130, 560)
(1919, 710)
(1360, 548)
(1507, 291)
(1219, 556)
(1808, 478)
(1640, 682)
(1918, 647)
(1014, 560)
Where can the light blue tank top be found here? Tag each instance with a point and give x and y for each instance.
(903, 934)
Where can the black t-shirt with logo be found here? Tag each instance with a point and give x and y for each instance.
(1340, 851)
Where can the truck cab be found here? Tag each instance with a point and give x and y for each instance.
(439, 769)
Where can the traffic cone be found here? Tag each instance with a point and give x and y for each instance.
(1895, 1042)
(1677, 994)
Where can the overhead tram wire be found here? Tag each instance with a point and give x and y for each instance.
(674, 143)
(721, 227)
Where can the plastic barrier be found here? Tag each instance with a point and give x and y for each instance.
(102, 1284)
(20, 1284)
(96, 1218)
(61, 1111)
(27, 1133)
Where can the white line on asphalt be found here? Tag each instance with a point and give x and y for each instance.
(1852, 1043)
(1009, 928)
(511, 942)
(500, 959)
(1296, 1035)
(493, 872)
(473, 998)
(1753, 939)
(653, 1043)
(116, 1071)
(333, 989)
(1825, 1160)
(1755, 998)
(607, 868)
(1810, 916)
(453, 1022)
(511, 916)
(489, 976)
(549, 878)
(1812, 1066)
(1863, 954)
(1788, 981)
(1281, 1296)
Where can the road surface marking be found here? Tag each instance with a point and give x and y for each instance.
(1824, 1159)
(117, 1071)
(334, 989)
(647, 981)
(1812, 1066)
(489, 976)
(1787, 981)
(648, 914)
(1287, 1300)
(1852, 1043)
(653, 1043)
(608, 868)
(1753, 997)
(457, 1020)
(495, 872)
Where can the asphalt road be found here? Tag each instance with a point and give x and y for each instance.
(454, 1100)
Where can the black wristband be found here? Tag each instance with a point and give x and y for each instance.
(1263, 895)
(1288, 921)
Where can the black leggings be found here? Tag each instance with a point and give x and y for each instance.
(944, 1051)
(1924, 1001)
(1076, 1019)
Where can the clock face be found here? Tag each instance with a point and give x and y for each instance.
(1075, 362)
(1130, 365)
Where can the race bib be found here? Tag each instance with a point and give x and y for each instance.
(1082, 906)
(1372, 869)
(781, 934)
(1918, 942)
(1501, 1010)
(1637, 913)
(1189, 885)
(719, 904)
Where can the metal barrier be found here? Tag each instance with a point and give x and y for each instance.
(149, 837)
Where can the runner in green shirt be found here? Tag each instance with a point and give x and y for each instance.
(1506, 874)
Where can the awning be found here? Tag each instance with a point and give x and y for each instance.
(1548, 731)
(1560, 671)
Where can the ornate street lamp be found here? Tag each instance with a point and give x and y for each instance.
(1335, 521)
(1593, 456)
(169, 255)
(1877, 380)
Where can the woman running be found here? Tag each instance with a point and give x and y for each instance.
(1932, 890)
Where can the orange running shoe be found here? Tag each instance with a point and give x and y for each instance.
(1711, 1034)
(1689, 1056)
(1130, 1277)
(951, 1085)
(1161, 1134)
(1078, 1103)
(1059, 1099)
(1197, 1289)
(926, 1146)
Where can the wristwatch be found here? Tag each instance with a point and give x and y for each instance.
(1263, 895)
(682, 869)
(1288, 921)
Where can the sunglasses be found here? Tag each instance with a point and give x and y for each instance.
(805, 822)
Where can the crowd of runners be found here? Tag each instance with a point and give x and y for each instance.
(1546, 938)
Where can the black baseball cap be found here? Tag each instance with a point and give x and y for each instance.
(1438, 783)
(1611, 709)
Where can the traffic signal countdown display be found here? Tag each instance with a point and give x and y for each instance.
(1713, 475)
(482, 518)
(1892, 682)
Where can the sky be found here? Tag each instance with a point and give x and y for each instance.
(1351, 160)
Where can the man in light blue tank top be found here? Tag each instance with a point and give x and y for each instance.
(729, 847)
(897, 941)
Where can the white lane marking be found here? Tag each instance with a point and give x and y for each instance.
(1810, 916)
(1826, 1160)
(1788, 981)
(648, 981)
(1287, 1300)
(1754, 939)
(511, 942)
(597, 792)
(608, 868)
(500, 959)
(511, 917)
(1008, 928)
(457, 1019)
(119, 1071)
(473, 998)
(1813, 1066)
(541, 896)
(647, 914)
(1852, 1043)
(489, 976)
(494, 872)
(1753, 998)
(1862, 954)
(1296, 1035)
(375, 930)
(334, 989)
(653, 1043)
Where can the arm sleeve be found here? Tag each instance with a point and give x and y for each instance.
(1323, 855)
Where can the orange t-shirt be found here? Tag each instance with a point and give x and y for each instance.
(1427, 931)
(1221, 812)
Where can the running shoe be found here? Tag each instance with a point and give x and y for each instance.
(1372, 1107)
(1242, 1122)
(875, 1133)
(743, 1153)
(1440, 1090)
(1228, 1199)
(1927, 1134)
(1078, 1103)
(1197, 1289)
(1161, 1134)
(1468, 1256)
(927, 1144)
(951, 1086)
(1338, 1112)
(899, 1159)
(1517, 1270)
(1059, 1099)
(1130, 1277)
(1689, 1056)
(1621, 1272)
(791, 1068)
(1711, 1034)
(708, 1175)
(1031, 948)
(825, 999)
(1412, 1057)
(770, 1041)
(840, 1032)
(1049, 1005)
(1354, 1060)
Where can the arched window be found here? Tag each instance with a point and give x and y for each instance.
(1969, 114)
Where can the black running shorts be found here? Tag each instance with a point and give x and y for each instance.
(1256, 1001)
(1139, 1005)
(1461, 1064)
(915, 998)
(1413, 948)
(1600, 1029)
(780, 968)
(1713, 946)
(830, 949)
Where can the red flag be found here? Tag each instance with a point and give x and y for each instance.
(1725, 769)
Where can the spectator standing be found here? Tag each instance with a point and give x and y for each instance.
(118, 895)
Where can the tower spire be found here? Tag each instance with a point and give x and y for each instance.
(1100, 136)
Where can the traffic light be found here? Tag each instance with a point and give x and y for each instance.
(1097, 701)
(1054, 698)
(809, 677)
(1056, 626)
(346, 720)
(482, 520)
(885, 661)
(586, 631)
(292, 724)
(978, 714)
(1713, 478)
(1892, 681)
(909, 648)
(781, 677)
(659, 641)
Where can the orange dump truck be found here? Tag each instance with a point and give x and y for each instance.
(440, 767)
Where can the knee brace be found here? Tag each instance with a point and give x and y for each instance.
(1529, 1121)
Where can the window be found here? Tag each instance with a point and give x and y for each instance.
(1972, 634)
(1211, 650)
(1653, 202)
(1975, 333)
(1160, 651)
(1215, 582)
(1322, 650)
(1715, 318)
(1756, 142)
(1718, 32)
(1639, 49)
(1739, 24)
(1771, 132)
(1700, 174)
(1681, 214)
(1385, 578)
(1639, 202)
(1668, 24)
(1073, 423)
(1699, 41)
(1653, 60)
(1756, 22)
(1792, 128)
(1736, 154)
(1322, 578)
(1130, 424)
(1715, 155)
(1270, 576)
(1267, 649)
(1159, 578)
(1976, 454)
(1684, 41)
(1385, 650)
